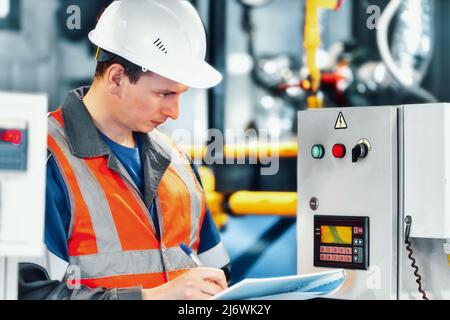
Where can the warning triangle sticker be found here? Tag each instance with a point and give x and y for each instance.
(340, 122)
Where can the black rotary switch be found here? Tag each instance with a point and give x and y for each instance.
(360, 151)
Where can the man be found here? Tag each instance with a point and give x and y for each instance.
(120, 196)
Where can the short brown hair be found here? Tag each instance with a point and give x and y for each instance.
(132, 71)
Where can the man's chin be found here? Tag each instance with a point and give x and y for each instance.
(149, 127)
(146, 129)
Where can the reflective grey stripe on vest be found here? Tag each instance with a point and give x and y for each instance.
(182, 168)
(92, 193)
(130, 262)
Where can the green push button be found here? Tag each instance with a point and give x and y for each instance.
(317, 151)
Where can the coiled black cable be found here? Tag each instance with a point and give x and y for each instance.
(408, 221)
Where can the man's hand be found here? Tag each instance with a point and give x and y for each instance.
(195, 284)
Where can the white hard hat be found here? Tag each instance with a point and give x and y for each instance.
(164, 36)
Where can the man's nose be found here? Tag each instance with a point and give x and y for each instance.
(172, 110)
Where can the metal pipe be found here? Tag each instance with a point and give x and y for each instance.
(217, 57)
(413, 43)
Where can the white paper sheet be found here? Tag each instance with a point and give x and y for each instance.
(298, 287)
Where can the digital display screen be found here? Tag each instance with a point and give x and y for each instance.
(336, 234)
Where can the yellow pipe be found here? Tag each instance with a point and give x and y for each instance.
(208, 178)
(215, 205)
(314, 101)
(312, 43)
(264, 203)
(282, 150)
(329, 4)
(214, 199)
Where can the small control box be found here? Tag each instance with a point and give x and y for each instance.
(341, 242)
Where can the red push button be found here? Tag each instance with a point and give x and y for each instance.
(338, 151)
(12, 136)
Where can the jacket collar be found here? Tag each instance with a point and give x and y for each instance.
(83, 137)
(86, 142)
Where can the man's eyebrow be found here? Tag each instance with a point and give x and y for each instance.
(167, 91)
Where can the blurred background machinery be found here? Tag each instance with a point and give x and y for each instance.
(278, 57)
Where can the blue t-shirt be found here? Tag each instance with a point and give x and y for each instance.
(130, 159)
(57, 209)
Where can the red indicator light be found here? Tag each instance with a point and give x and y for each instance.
(13, 136)
(338, 151)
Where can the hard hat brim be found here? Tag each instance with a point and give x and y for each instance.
(203, 77)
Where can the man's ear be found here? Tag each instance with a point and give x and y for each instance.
(115, 76)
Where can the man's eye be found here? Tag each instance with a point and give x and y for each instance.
(165, 95)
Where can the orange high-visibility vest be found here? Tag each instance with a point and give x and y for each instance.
(112, 238)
